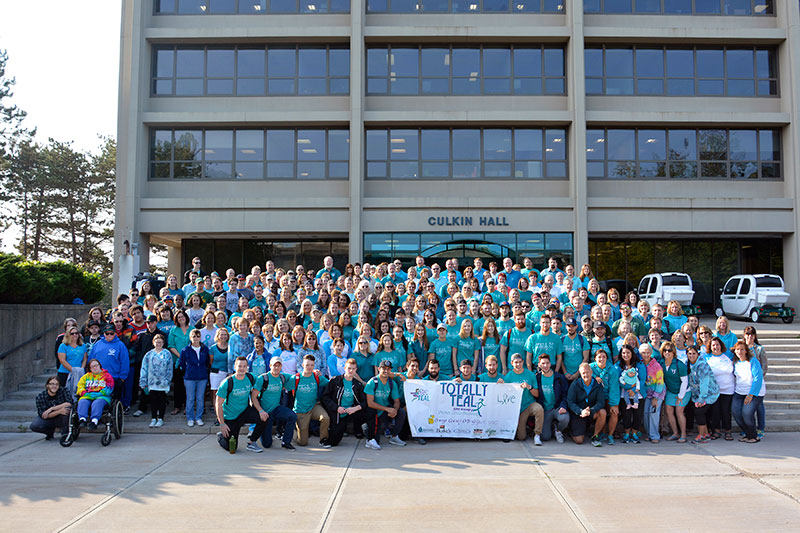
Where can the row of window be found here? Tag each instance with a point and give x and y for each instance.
(462, 70)
(681, 71)
(457, 70)
(683, 153)
(465, 153)
(250, 154)
(250, 71)
(666, 7)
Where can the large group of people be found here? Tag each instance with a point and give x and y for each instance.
(294, 353)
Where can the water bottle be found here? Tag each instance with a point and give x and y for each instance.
(232, 444)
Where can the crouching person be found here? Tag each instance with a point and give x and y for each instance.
(344, 400)
(234, 409)
(267, 395)
(586, 402)
(307, 387)
(383, 407)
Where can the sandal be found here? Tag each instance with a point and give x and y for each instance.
(728, 435)
(175, 411)
(700, 439)
(751, 441)
(714, 436)
(682, 440)
(743, 439)
(673, 437)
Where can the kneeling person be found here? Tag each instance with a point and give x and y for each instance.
(586, 402)
(528, 407)
(234, 409)
(383, 397)
(266, 396)
(344, 401)
(307, 387)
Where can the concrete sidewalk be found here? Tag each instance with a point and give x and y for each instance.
(175, 482)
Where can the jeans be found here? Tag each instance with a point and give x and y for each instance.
(279, 415)
(96, 406)
(745, 415)
(130, 385)
(48, 426)
(652, 418)
(195, 394)
(761, 415)
(550, 416)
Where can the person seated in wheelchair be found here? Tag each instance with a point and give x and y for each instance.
(94, 394)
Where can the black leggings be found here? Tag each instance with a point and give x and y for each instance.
(178, 389)
(719, 416)
(337, 429)
(158, 402)
(631, 418)
(701, 413)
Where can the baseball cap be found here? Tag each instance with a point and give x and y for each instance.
(151, 318)
(571, 322)
(597, 324)
(441, 325)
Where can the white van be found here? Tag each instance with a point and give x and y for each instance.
(666, 286)
(755, 296)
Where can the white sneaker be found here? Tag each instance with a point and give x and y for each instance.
(559, 437)
(190, 423)
(138, 412)
(372, 444)
(397, 441)
(253, 447)
(160, 422)
(199, 422)
(537, 440)
(153, 423)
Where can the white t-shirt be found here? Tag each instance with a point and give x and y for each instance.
(723, 372)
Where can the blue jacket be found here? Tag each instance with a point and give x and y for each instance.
(194, 367)
(113, 356)
(578, 400)
(560, 388)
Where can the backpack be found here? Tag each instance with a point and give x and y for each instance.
(230, 384)
(265, 384)
(297, 382)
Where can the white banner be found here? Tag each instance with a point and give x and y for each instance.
(471, 410)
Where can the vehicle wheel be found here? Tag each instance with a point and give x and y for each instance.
(105, 440)
(719, 312)
(66, 440)
(787, 319)
(118, 422)
(754, 315)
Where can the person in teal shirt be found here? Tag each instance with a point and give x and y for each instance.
(543, 342)
(383, 398)
(443, 351)
(529, 407)
(267, 393)
(513, 342)
(504, 322)
(466, 373)
(435, 373)
(234, 410)
(307, 387)
(468, 346)
(491, 375)
(609, 375)
(364, 360)
(388, 352)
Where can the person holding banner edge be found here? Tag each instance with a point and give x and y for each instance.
(528, 406)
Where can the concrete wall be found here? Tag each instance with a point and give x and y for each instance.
(23, 322)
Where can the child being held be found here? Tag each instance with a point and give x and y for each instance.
(630, 386)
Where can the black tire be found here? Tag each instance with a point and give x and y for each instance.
(105, 440)
(66, 440)
(787, 319)
(118, 420)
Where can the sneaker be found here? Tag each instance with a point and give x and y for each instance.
(635, 438)
(200, 422)
(153, 422)
(596, 442)
(760, 433)
(387, 432)
(397, 441)
(559, 437)
(626, 438)
(611, 441)
(365, 429)
(372, 444)
(324, 443)
(82, 423)
(421, 441)
(253, 447)
(288, 446)
(160, 422)
(92, 424)
(138, 413)
(190, 423)
(127, 410)
(537, 440)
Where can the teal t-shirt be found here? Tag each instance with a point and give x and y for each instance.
(348, 398)
(443, 352)
(465, 348)
(515, 342)
(538, 344)
(396, 356)
(452, 332)
(548, 393)
(365, 369)
(573, 352)
(73, 355)
(504, 325)
(673, 374)
(383, 393)
(526, 376)
(532, 319)
(239, 398)
(271, 397)
(486, 378)
(492, 347)
(306, 392)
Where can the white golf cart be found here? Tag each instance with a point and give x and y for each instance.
(666, 286)
(755, 296)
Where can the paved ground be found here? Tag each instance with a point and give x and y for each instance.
(177, 482)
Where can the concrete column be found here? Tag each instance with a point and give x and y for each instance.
(357, 77)
(789, 76)
(175, 262)
(577, 132)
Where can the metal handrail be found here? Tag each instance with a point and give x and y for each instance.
(27, 342)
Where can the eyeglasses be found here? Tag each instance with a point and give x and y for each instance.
(670, 350)
(108, 333)
(55, 384)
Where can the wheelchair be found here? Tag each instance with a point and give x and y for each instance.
(113, 418)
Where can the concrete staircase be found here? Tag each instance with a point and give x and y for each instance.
(782, 400)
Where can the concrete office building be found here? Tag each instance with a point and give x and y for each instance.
(635, 135)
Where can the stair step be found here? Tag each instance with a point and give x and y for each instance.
(781, 405)
(789, 376)
(17, 415)
(13, 427)
(23, 395)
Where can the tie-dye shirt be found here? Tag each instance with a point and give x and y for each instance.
(654, 385)
(96, 386)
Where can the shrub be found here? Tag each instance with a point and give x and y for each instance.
(37, 282)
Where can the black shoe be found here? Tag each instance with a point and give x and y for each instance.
(324, 443)
(48, 436)
(506, 440)
(288, 446)
(82, 424)
(92, 426)
(127, 410)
